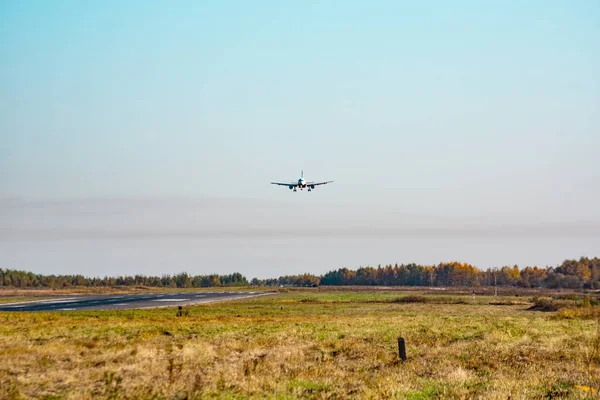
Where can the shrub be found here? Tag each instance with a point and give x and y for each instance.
(549, 304)
(568, 297)
(410, 299)
(544, 304)
(508, 303)
(586, 301)
(309, 300)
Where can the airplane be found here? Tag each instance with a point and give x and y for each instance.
(301, 184)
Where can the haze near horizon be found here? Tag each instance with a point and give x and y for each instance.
(141, 138)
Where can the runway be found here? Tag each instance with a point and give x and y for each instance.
(126, 301)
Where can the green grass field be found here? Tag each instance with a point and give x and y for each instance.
(305, 344)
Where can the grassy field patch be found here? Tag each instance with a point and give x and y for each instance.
(16, 299)
(303, 344)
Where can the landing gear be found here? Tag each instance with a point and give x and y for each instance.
(295, 190)
(310, 190)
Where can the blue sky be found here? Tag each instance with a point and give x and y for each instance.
(487, 110)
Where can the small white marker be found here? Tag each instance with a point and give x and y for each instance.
(62, 301)
(171, 300)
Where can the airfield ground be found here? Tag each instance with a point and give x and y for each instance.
(309, 343)
(125, 301)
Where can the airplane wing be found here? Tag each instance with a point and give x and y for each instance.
(294, 184)
(318, 183)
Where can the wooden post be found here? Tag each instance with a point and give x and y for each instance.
(401, 349)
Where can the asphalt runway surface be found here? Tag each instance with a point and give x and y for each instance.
(126, 301)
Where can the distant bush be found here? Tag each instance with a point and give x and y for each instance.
(573, 297)
(544, 304)
(507, 303)
(309, 300)
(410, 299)
(549, 304)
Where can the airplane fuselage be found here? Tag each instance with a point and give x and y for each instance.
(302, 185)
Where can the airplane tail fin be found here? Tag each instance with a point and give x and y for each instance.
(302, 174)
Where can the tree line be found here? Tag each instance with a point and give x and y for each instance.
(574, 274)
(23, 279)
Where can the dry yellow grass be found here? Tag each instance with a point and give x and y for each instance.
(313, 344)
(16, 299)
